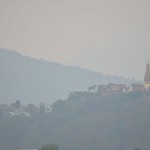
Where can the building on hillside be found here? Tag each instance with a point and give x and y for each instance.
(137, 87)
(112, 88)
(147, 77)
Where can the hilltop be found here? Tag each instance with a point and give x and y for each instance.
(85, 120)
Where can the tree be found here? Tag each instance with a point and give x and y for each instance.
(92, 88)
(42, 109)
(136, 148)
(57, 106)
(18, 104)
(50, 147)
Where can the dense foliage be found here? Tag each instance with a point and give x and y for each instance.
(86, 120)
(49, 147)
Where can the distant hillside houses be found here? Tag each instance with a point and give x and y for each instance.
(113, 88)
(16, 109)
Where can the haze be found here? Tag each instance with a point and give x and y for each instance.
(108, 36)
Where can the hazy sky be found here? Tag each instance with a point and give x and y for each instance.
(108, 36)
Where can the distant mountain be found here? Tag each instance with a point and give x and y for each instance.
(37, 80)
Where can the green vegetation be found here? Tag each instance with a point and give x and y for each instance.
(136, 149)
(85, 120)
(50, 147)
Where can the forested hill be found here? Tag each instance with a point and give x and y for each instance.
(86, 120)
(36, 80)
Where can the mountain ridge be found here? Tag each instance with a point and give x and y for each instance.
(37, 80)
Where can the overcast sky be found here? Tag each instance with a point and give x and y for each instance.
(108, 36)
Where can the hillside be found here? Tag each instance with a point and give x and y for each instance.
(85, 120)
(36, 80)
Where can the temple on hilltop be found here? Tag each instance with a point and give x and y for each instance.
(147, 77)
(113, 88)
